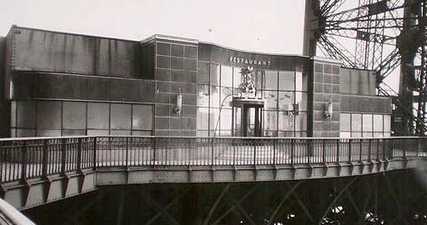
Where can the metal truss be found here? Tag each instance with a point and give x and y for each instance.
(383, 36)
(392, 198)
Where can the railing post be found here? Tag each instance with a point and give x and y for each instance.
(127, 152)
(24, 161)
(404, 149)
(369, 150)
(212, 151)
(292, 151)
(95, 140)
(234, 150)
(360, 149)
(63, 155)
(154, 139)
(323, 151)
(308, 149)
(45, 158)
(418, 146)
(79, 154)
(349, 150)
(384, 148)
(378, 149)
(274, 151)
(254, 143)
(338, 150)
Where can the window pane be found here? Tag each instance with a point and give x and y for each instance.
(258, 82)
(141, 133)
(97, 132)
(49, 116)
(98, 115)
(356, 134)
(345, 134)
(26, 114)
(367, 134)
(286, 100)
(270, 80)
(25, 132)
(120, 116)
(387, 124)
(203, 95)
(286, 80)
(237, 77)
(142, 118)
(344, 122)
(48, 133)
(226, 76)
(202, 118)
(203, 75)
(226, 96)
(356, 122)
(286, 122)
(237, 118)
(78, 132)
(74, 115)
(301, 100)
(120, 132)
(214, 75)
(214, 96)
(367, 123)
(270, 121)
(214, 121)
(378, 123)
(378, 134)
(225, 121)
(270, 98)
(299, 82)
(301, 122)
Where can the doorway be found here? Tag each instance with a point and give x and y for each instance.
(251, 120)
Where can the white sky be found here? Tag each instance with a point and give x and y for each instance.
(271, 26)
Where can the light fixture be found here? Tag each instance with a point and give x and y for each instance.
(178, 106)
(328, 110)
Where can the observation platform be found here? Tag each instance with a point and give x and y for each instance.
(35, 171)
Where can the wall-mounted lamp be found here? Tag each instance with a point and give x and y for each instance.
(328, 110)
(178, 106)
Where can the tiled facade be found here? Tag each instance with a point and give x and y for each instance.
(326, 85)
(68, 84)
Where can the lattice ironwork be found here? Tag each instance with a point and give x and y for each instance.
(383, 36)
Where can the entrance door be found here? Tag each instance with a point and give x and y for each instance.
(251, 120)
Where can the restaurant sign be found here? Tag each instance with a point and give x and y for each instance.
(247, 61)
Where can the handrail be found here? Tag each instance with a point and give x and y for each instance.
(12, 215)
(209, 137)
(27, 158)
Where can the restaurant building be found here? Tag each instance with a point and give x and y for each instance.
(70, 84)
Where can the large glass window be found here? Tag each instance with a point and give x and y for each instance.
(284, 93)
(55, 118)
(364, 125)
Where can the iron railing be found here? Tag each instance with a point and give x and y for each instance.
(26, 158)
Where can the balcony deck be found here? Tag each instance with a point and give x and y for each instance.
(36, 171)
